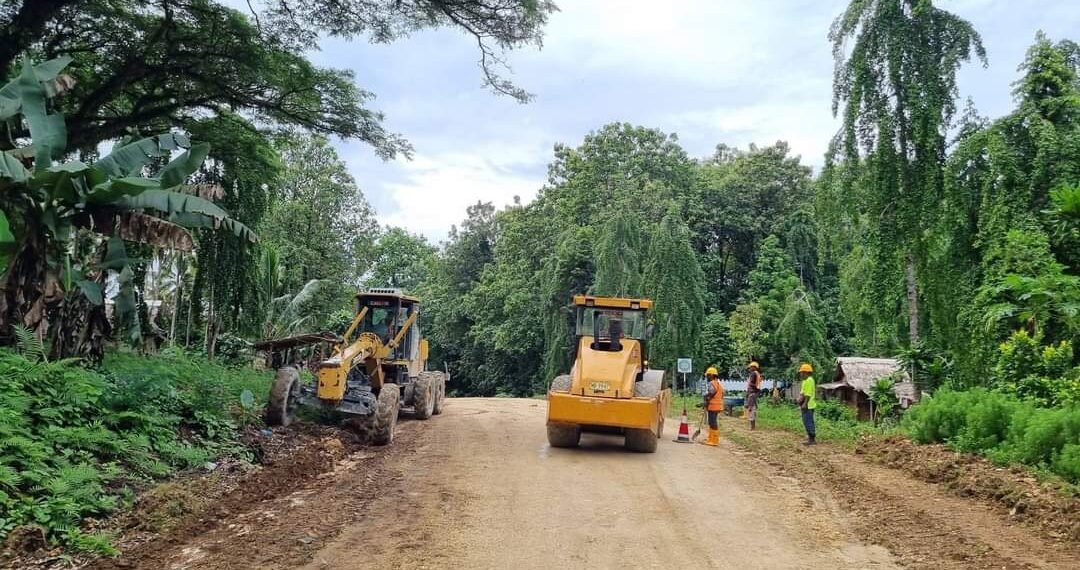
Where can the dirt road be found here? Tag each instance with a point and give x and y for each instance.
(480, 488)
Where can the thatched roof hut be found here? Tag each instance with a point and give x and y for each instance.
(854, 376)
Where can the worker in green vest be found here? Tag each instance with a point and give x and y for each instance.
(808, 402)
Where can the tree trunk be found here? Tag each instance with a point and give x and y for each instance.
(912, 300)
(187, 333)
(31, 296)
(913, 306)
(177, 301)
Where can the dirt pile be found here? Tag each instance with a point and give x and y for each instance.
(1053, 507)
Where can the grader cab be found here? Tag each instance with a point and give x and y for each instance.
(368, 378)
(610, 387)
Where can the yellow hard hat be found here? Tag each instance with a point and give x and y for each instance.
(711, 371)
(754, 365)
(806, 367)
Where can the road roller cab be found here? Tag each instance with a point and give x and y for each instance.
(610, 387)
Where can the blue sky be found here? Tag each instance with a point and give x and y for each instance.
(711, 71)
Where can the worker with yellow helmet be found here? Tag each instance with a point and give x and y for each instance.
(808, 401)
(753, 388)
(714, 404)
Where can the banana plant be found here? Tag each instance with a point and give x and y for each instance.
(63, 224)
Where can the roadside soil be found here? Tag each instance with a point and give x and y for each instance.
(923, 524)
(1050, 507)
(478, 487)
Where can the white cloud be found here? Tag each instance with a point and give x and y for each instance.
(711, 71)
(437, 189)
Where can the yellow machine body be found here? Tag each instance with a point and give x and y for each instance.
(369, 351)
(606, 380)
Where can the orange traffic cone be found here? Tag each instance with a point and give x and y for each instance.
(684, 429)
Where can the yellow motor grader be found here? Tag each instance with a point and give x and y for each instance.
(369, 378)
(610, 387)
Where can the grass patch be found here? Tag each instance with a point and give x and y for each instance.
(687, 401)
(739, 439)
(832, 425)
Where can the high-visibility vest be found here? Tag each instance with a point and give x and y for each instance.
(716, 404)
(754, 383)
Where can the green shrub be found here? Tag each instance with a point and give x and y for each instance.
(1038, 434)
(1044, 375)
(1000, 426)
(1018, 357)
(986, 423)
(1067, 463)
(940, 418)
(836, 411)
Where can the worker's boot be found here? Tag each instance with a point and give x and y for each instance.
(753, 425)
(714, 437)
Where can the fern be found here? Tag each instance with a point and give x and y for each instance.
(72, 440)
(30, 345)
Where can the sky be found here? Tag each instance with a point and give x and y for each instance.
(711, 71)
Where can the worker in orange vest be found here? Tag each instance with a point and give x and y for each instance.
(753, 388)
(714, 404)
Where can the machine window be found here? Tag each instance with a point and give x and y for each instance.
(631, 322)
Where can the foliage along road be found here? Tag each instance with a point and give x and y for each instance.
(478, 487)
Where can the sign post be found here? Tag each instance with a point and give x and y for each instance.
(684, 366)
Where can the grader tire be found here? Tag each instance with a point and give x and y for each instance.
(284, 397)
(641, 440)
(424, 395)
(386, 414)
(563, 435)
(440, 394)
(561, 383)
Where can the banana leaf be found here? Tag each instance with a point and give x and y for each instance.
(197, 221)
(47, 131)
(177, 171)
(12, 169)
(178, 208)
(92, 291)
(143, 228)
(116, 188)
(127, 159)
(50, 70)
(10, 102)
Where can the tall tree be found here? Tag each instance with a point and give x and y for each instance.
(619, 167)
(147, 64)
(318, 222)
(619, 255)
(676, 284)
(998, 206)
(450, 317)
(739, 198)
(245, 167)
(399, 259)
(895, 86)
(570, 271)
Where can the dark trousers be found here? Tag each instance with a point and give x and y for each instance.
(712, 419)
(808, 423)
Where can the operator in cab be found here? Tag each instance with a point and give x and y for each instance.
(385, 327)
